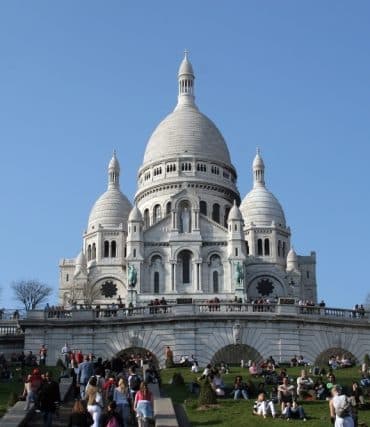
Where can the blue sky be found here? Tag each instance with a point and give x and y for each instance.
(79, 79)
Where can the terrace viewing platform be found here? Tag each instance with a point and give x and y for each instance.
(170, 311)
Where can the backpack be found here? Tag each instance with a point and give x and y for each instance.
(112, 422)
(344, 410)
(134, 382)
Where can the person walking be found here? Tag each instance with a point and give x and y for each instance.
(49, 399)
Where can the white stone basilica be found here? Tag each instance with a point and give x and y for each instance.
(186, 236)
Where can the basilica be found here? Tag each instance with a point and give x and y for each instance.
(188, 235)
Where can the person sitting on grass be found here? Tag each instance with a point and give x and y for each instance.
(217, 384)
(240, 388)
(286, 393)
(293, 410)
(263, 407)
(304, 385)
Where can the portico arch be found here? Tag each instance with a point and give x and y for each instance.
(323, 358)
(234, 353)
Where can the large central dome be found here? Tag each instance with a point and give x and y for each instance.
(186, 131)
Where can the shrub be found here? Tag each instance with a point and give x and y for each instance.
(177, 379)
(206, 396)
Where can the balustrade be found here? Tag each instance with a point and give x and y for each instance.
(108, 312)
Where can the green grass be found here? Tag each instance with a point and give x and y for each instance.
(239, 413)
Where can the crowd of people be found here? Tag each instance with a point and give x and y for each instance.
(278, 394)
(107, 393)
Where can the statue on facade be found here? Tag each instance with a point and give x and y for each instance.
(132, 275)
(185, 220)
(239, 273)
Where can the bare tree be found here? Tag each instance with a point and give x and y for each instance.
(90, 293)
(30, 293)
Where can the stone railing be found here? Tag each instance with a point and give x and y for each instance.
(10, 327)
(197, 309)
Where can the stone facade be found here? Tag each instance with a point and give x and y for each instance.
(186, 235)
(281, 331)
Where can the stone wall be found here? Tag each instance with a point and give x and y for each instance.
(280, 334)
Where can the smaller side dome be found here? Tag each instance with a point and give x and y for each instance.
(81, 259)
(292, 260)
(81, 265)
(135, 215)
(112, 208)
(260, 206)
(235, 214)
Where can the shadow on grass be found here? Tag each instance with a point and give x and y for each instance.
(206, 423)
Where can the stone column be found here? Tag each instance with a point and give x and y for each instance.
(252, 235)
(173, 275)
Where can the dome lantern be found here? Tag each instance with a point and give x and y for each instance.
(113, 172)
(186, 82)
(258, 170)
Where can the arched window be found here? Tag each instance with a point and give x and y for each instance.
(125, 252)
(113, 249)
(284, 250)
(267, 247)
(236, 252)
(157, 213)
(93, 251)
(106, 249)
(216, 212)
(279, 248)
(146, 218)
(168, 208)
(227, 211)
(259, 247)
(156, 282)
(89, 253)
(134, 253)
(215, 282)
(247, 247)
(203, 207)
(186, 257)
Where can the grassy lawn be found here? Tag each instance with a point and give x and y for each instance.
(239, 413)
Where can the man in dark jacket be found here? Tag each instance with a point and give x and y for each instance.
(49, 398)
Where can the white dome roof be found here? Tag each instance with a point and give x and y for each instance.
(111, 209)
(261, 207)
(185, 66)
(186, 131)
(114, 163)
(81, 259)
(135, 214)
(235, 214)
(292, 256)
